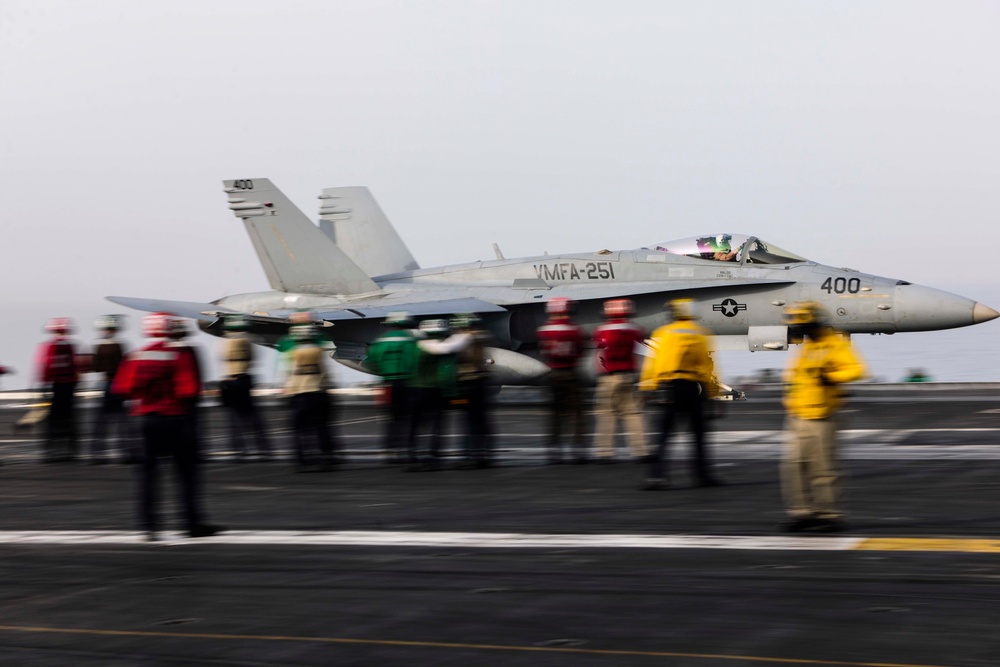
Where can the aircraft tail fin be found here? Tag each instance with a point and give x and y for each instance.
(353, 220)
(295, 254)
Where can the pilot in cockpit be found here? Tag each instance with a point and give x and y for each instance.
(718, 248)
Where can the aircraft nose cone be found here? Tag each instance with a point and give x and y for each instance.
(919, 308)
(981, 313)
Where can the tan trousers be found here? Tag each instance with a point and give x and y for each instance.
(810, 483)
(616, 397)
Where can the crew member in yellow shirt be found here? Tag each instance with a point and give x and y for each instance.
(681, 370)
(810, 480)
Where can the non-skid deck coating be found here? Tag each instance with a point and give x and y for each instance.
(523, 564)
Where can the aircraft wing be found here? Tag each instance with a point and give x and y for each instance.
(206, 312)
(355, 310)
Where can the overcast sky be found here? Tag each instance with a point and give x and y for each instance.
(861, 134)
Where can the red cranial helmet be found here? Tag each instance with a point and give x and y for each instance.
(559, 305)
(618, 308)
(157, 325)
(59, 325)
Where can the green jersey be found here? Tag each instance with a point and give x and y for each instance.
(395, 355)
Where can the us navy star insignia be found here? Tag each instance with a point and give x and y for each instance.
(729, 307)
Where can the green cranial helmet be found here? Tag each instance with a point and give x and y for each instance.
(399, 319)
(435, 328)
(465, 321)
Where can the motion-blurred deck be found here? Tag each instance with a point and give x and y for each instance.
(521, 564)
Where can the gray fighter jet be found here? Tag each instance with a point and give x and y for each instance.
(353, 269)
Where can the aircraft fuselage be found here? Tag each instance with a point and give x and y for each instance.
(731, 298)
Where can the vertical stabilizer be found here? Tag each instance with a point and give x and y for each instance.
(296, 255)
(352, 218)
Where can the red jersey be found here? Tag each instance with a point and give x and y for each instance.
(161, 380)
(616, 342)
(561, 343)
(57, 361)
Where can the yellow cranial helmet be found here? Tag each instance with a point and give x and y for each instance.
(804, 313)
(680, 309)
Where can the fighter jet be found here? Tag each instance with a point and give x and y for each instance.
(353, 269)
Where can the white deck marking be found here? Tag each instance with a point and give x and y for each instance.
(439, 540)
(350, 538)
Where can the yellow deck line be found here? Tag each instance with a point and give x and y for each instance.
(960, 545)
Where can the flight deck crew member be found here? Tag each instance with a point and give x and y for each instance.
(681, 370)
(616, 340)
(561, 343)
(468, 345)
(177, 336)
(106, 357)
(810, 481)
(394, 356)
(434, 386)
(472, 387)
(307, 386)
(236, 388)
(163, 384)
(59, 372)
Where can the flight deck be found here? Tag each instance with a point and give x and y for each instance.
(524, 563)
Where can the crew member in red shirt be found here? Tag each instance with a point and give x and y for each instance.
(59, 371)
(180, 342)
(163, 384)
(616, 340)
(562, 344)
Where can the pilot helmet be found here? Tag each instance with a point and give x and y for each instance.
(435, 328)
(559, 305)
(62, 326)
(235, 322)
(616, 308)
(680, 309)
(400, 319)
(109, 323)
(157, 325)
(722, 242)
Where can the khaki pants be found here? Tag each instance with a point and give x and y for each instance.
(616, 397)
(810, 483)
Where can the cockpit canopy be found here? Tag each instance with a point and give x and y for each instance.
(729, 248)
